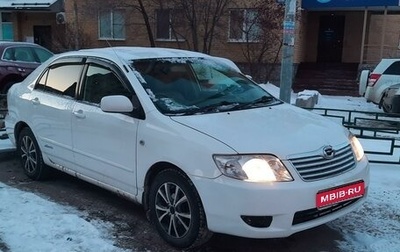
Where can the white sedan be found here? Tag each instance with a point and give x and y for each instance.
(202, 147)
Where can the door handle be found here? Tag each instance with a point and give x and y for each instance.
(21, 70)
(79, 114)
(35, 101)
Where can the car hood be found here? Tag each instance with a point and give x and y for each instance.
(282, 130)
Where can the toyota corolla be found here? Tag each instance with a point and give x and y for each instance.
(203, 148)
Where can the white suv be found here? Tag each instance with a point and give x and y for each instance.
(374, 85)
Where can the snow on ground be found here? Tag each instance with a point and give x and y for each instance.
(376, 225)
(47, 226)
(29, 219)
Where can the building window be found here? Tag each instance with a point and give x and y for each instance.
(244, 25)
(111, 25)
(7, 28)
(169, 23)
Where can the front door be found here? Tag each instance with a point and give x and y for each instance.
(330, 39)
(104, 143)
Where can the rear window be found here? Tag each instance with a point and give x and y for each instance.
(393, 69)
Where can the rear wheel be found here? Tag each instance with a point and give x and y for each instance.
(31, 156)
(176, 210)
(7, 86)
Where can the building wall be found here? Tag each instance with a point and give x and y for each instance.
(25, 21)
(136, 34)
(383, 37)
(352, 37)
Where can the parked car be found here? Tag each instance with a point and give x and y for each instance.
(18, 60)
(391, 99)
(202, 147)
(374, 85)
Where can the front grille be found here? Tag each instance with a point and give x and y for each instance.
(317, 167)
(315, 213)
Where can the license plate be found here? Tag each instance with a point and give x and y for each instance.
(339, 194)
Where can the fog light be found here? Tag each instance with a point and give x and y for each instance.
(257, 221)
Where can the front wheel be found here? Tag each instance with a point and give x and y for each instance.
(176, 210)
(31, 156)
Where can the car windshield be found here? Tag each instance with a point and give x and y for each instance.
(185, 86)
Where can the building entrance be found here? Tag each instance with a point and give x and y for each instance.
(330, 38)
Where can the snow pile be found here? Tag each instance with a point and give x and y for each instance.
(29, 221)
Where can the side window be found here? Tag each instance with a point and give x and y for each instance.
(394, 69)
(8, 54)
(99, 82)
(60, 80)
(24, 54)
(42, 55)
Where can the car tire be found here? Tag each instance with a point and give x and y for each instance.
(31, 156)
(6, 87)
(176, 210)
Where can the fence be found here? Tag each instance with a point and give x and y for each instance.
(379, 133)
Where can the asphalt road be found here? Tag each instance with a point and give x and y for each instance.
(133, 231)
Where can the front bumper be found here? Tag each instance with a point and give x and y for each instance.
(290, 205)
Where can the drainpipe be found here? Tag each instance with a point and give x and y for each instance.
(383, 31)
(364, 31)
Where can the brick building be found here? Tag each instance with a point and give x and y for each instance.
(337, 38)
(331, 33)
(29, 20)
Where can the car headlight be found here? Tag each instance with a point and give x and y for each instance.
(357, 148)
(253, 168)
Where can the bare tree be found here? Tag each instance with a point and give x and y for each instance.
(260, 31)
(140, 6)
(202, 18)
(70, 37)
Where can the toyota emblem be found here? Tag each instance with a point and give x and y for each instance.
(328, 152)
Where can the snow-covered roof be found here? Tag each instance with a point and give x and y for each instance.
(26, 4)
(134, 53)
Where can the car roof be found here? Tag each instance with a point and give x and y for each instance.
(134, 53)
(131, 53)
(384, 64)
(17, 43)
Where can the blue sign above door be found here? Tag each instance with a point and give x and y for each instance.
(311, 4)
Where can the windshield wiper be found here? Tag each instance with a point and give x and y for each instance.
(256, 103)
(216, 107)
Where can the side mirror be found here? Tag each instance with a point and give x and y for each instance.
(116, 104)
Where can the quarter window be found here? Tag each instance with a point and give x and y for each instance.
(111, 25)
(60, 80)
(244, 25)
(100, 82)
(393, 69)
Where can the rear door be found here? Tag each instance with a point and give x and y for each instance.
(104, 143)
(23, 58)
(52, 101)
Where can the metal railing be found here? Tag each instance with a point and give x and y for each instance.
(379, 133)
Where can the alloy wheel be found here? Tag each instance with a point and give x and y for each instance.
(28, 154)
(173, 210)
